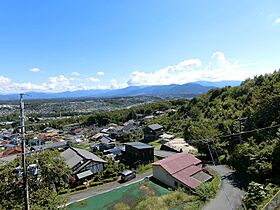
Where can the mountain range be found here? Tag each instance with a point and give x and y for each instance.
(187, 90)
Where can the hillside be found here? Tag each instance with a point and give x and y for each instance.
(214, 116)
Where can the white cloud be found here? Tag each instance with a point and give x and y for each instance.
(35, 70)
(75, 73)
(93, 79)
(218, 68)
(100, 73)
(114, 84)
(277, 20)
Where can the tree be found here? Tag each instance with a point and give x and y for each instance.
(43, 188)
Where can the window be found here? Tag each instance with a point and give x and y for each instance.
(176, 184)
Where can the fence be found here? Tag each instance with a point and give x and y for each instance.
(273, 203)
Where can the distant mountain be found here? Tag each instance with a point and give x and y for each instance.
(188, 90)
(220, 84)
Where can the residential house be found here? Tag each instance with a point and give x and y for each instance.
(114, 153)
(83, 163)
(161, 154)
(152, 132)
(178, 145)
(137, 153)
(181, 170)
(166, 138)
(98, 136)
(61, 145)
(101, 147)
(14, 150)
(106, 140)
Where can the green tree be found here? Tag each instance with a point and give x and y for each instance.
(53, 176)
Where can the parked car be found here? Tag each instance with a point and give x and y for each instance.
(127, 175)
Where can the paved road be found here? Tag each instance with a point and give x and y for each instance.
(102, 189)
(231, 187)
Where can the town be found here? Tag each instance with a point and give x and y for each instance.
(139, 105)
(150, 149)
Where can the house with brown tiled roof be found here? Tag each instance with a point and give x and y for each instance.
(181, 170)
(14, 150)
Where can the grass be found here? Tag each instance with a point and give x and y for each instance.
(150, 196)
(155, 144)
(123, 198)
(144, 168)
(179, 199)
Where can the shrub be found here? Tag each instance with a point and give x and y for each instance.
(109, 180)
(81, 187)
(93, 184)
(121, 206)
(254, 195)
(64, 191)
(152, 203)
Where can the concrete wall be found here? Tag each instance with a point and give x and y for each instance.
(160, 174)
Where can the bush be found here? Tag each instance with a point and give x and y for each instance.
(109, 180)
(93, 184)
(177, 198)
(121, 206)
(64, 191)
(208, 190)
(81, 187)
(151, 204)
(255, 195)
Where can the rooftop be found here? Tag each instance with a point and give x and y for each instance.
(139, 145)
(155, 127)
(185, 168)
(73, 156)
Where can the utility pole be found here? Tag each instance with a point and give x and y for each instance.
(23, 153)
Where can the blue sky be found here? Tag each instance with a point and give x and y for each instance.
(54, 46)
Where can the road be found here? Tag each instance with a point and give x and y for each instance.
(78, 196)
(231, 193)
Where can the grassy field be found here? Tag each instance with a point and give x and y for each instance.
(126, 196)
(150, 196)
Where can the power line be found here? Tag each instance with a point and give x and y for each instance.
(237, 134)
(250, 131)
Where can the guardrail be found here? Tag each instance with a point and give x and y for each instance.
(273, 203)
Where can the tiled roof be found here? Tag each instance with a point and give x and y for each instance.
(73, 156)
(182, 166)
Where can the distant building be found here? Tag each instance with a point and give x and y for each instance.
(152, 132)
(82, 162)
(137, 153)
(181, 170)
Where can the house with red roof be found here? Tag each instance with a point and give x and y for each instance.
(181, 170)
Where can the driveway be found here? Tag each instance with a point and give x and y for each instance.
(231, 193)
(78, 196)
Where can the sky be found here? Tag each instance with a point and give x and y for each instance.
(66, 45)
